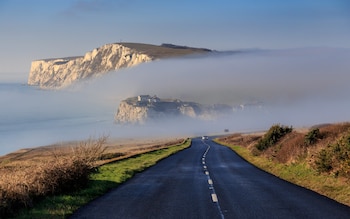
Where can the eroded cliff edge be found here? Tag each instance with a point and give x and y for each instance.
(144, 108)
(61, 72)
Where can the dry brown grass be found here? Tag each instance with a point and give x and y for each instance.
(330, 133)
(322, 165)
(29, 174)
(244, 140)
(114, 149)
(291, 147)
(21, 185)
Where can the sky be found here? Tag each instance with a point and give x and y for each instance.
(39, 29)
(300, 72)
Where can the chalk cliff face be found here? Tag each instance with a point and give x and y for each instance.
(61, 72)
(57, 73)
(146, 108)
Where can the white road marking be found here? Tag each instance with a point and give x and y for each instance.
(214, 197)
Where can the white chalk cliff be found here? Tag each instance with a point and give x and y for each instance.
(56, 73)
(61, 72)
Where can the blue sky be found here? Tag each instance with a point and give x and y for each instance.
(39, 29)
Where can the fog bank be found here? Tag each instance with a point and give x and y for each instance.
(298, 87)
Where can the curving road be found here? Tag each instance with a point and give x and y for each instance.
(210, 181)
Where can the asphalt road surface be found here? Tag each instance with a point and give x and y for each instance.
(210, 181)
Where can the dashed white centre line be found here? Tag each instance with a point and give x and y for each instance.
(214, 197)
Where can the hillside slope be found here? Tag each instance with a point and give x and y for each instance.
(317, 158)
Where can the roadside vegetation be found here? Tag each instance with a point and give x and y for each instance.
(318, 158)
(273, 135)
(57, 186)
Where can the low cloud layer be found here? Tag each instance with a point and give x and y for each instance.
(298, 87)
(269, 76)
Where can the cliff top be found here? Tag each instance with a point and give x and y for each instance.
(164, 50)
(63, 58)
(141, 99)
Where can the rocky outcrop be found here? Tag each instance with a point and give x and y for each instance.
(61, 72)
(145, 108)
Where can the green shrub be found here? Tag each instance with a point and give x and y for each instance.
(324, 161)
(312, 136)
(335, 158)
(274, 134)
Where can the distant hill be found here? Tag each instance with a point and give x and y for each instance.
(145, 108)
(61, 72)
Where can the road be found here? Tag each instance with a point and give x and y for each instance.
(208, 180)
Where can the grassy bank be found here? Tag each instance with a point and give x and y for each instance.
(299, 173)
(105, 178)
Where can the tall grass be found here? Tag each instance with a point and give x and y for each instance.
(21, 187)
(107, 177)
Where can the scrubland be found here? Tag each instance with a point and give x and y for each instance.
(35, 177)
(54, 181)
(317, 158)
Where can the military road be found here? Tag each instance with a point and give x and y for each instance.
(208, 180)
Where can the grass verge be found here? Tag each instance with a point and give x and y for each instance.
(107, 177)
(299, 173)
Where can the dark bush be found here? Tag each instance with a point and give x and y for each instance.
(275, 133)
(312, 136)
(335, 158)
(323, 161)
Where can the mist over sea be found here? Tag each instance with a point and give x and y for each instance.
(31, 117)
(298, 87)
